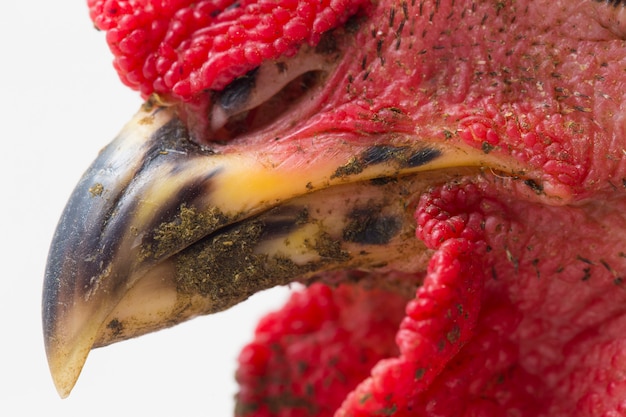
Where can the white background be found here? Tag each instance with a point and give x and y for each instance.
(60, 102)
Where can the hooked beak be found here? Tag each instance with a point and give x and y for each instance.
(160, 230)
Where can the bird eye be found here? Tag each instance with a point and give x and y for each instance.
(269, 110)
(235, 96)
(611, 14)
(264, 94)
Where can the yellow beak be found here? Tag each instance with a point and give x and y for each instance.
(160, 230)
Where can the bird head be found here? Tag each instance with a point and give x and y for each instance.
(447, 175)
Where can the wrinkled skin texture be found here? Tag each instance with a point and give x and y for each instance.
(542, 82)
(521, 310)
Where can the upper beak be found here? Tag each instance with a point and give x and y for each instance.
(160, 230)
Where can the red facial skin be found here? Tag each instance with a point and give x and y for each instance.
(521, 311)
(180, 48)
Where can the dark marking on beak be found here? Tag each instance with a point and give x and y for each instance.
(368, 226)
(381, 153)
(382, 180)
(422, 157)
(169, 144)
(402, 156)
(352, 167)
(179, 214)
(226, 268)
(172, 137)
(92, 229)
(282, 220)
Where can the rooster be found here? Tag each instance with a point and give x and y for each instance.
(447, 178)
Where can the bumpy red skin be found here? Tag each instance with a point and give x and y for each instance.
(514, 331)
(543, 253)
(182, 48)
(437, 324)
(320, 345)
(523, 308)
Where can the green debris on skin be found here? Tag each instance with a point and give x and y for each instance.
(189, 226)
(224, 267)
(352, 167)
(329, 248)
(227, 269)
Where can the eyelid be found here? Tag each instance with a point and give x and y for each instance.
(266, 81)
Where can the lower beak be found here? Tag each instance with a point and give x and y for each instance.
(160, 230)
